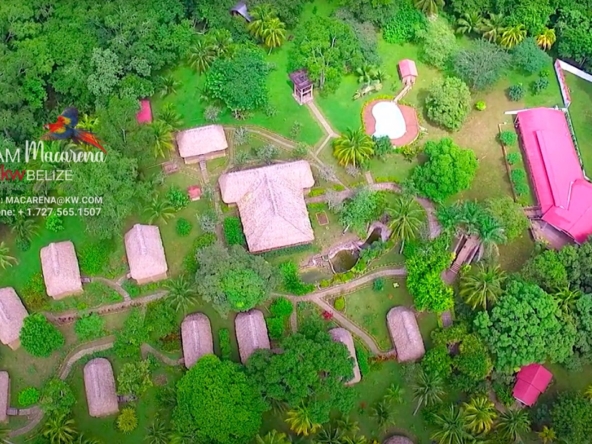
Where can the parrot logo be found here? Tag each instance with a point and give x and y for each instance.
(65, 128)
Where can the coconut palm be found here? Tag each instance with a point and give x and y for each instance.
(513, 424)
(513, 35)
(451, 427)
(274, 33)
(407, 218)
(394, 394)
(201, 56)
(479, 413)
(366, 73)
(157, 432)
(24, 229)
(353, 147)
(428, 390)
(546, 39)
(169, 115)
(383, 414)
(162, 138)
(567, 299)
(168, 86)
(180, 293)
(220, 43)
(330, 435)
(491, 233)
(348, 425)
(469, 23)
(59, 429)
(471, 215)
(261, 15)
(357, 439)
(547, 435)
(300, 421)
(273, 437)
(159, 209)
(482, 285)
(6, 260)
(492, 27)
(429, 7)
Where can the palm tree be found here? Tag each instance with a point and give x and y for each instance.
(491, 28)
(163, 140)
(407, 218)
(469, 23)
(366, 73)
(357, 439)
(201, 56)
(451, 427)
(513, 35)
(159, 209)
(514, 423)
(471, 215)
(348, 425)
(300, 422)
(546, 39)
(81, 439)
(491, 233)
(157, 432)
(6, 260)
(427, 390)
(588, 392)
(59, 429)
(220, 43)
(180, 293)
(88, 123)
(429, 7)
(482, 285)
(547, 435)
(353, 147)
(480, 413)
(261, 15)
(394, 394)
(169, 115)
(330, 435)
(4, 434)
(273, 437)
(168, 86)
(383, 414)
(567, 299)
(24, 229)
(274, 33)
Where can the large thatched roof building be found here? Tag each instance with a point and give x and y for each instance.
(251, 333)
(145, 254)
(345, 337)
(202, 143)
(12, 315)
(61, 272)
(196, 334)
(398, 440)
(4, 396)
(405, 334)
(99, 384)
(271, 204)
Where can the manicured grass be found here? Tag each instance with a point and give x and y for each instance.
(581, 117)
(513, 255)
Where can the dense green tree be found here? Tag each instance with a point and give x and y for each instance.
(133, 334)
(473, 359)
(448, 102)
(529, 57)
(364, 207)
(481, 65)
(583, 323)
(374, 11)
(437, 361)
(353, 147)
(134, 378)
(57, 397)
(39, 337)
(546, 270)
(161, 318)
(577, 261)
(438, 42)
(510, 215)
(574, 35)
(89, 326)
(572, 418)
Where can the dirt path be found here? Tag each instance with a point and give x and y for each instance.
(319, 117)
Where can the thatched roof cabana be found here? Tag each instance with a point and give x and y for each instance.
(271, 204)
(99, 384)
(145, 254)
(12, 315)
(405, 334)
(4, 396)
(196, 334)
(398, 440)
(345, 337)
(61, 272)
(202, 143)
(251, 333)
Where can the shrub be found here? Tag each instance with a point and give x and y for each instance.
(39, 337)
(266, 153)
(291, 279)
(301, 151)
(404, 24)
(183, 227)
(33, 293)
(134, 378)
(177, 197)
(161, 319)
(378, 284)
(518, 175)
(539, 85)
(513, 158)
(127, 421)
(316, 192)
(382, 147)
(409, 152)
(508, 138)
(480, 105)
(94, 258)
(448, 102)
(516, 92)
(57, 397)
(275, 327)
(225, 345)
(520, 181)
(363, 361)
(339, 303)
(233, 231)
(54, 223)
(529, 57)
(207, 221)
(281, 307)
(28, 396)
(90, 326)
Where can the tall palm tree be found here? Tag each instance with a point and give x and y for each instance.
(546, 38)
(169, 115)
(300, 421)
(491, 233)
(469, 23)
(59, 429)
(353, 147)
(482, 285)
(428, 390)
(330, 435)
(6, 260)
(24, 229)
(168, 86)
(567, 299)
(394, 394)
(261, 14)
(274, 33)
(273, 437)
(201, 56)
(492, 27)
(160, 209)
(157, 432)
(383, 413)
(513, 35)
(513, 424)
(220, 43)
(451, 427)
(349, 426)
(547, 435)
(479, 413)
(471, 215)
(407, 218)
(366, 73)
(429, 7)
(180, 293)
(162, 136)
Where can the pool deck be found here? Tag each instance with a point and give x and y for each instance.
(411, 122)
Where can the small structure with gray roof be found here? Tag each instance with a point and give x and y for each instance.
(61, 272)
(196, 335)
(12, 315)
(202, 143)
(99, 384)
(4, 396)
(145, 254)
(251, 333)
(241, 9)
(405, 334)
(399, 439)
(345, 337)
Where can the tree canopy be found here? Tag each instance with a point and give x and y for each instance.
(572, 418)
(448, 102)
(481, 65)
(40, 337)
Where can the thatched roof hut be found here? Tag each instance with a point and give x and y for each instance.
(99, 384)
(196, 334)
(251, 333)
(145, 254)
(12, 315)
(345, 337)
(405, 334)
(61, 272)
(4, 396)
(398, 440)
(202, 143)
(271, 204)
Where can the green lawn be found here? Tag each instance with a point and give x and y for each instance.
(581, 117)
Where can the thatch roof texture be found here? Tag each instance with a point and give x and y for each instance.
(196, 334)
(145, 253)
(99, 384)
(12, 315)
(345, 337)
(4, 396)
(251, 333)
(61, 272)
(398, 440)
(271, 204)
(202, 140)
(405, 334)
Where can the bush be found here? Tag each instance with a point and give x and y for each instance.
(382, 147)
(508, 138)
(225, 345)
(233, 231)
(94, 258)
(33, 293)
(183, 227)
(513, 158)
(177, 197)
(57, 397)
(339, 303)
(516, 92)
(281, 307)
(448, 102)
(404, 24)
(363, 361)
(301, 151)
(378, 284)
(480, 105)
(161, 319)
(529, 57)
(39, 337)
(275, 327)
(127, 421)
(291, 279)
(90, 326)
(208, 221)
(539, 85)
(28, 396)
(134, 378)
(520, 181)
(266, 153)
(54, 223)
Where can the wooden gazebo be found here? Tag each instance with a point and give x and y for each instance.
(302, 86)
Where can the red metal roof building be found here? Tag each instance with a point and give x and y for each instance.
(563, 193)
(531, 381)
(408, 71)
(145, 113)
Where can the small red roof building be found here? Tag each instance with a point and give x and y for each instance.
(531, 381)
(194, 192)
(145, 113)
(408, 71)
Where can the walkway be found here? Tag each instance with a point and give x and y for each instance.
(115, 285)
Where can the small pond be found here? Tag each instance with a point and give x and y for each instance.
(345, 259)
